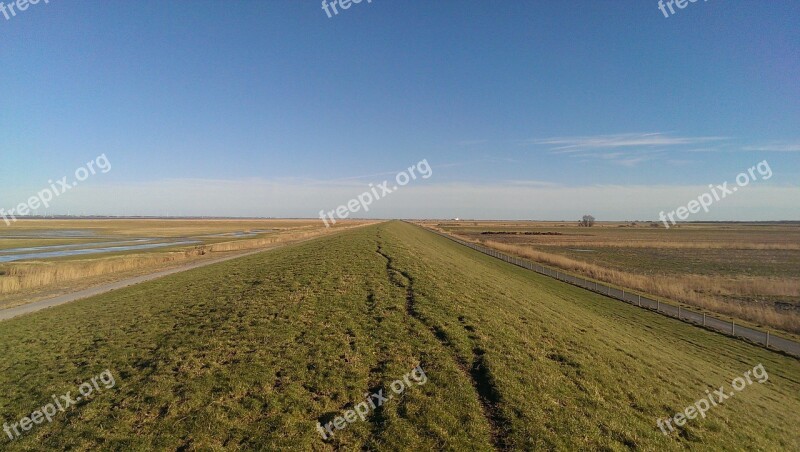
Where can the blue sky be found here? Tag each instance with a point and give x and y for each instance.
(541, 110)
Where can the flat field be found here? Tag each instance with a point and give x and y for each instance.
(746, 271)
(251, 354)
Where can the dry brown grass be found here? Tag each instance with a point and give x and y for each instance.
(700, 236)
(662, 244)
(155, 227)
(714, 293)
(20, 277)
(697, 290)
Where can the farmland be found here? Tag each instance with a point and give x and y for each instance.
(254, 352)
(745, 271)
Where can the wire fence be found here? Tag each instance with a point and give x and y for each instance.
(759, 337)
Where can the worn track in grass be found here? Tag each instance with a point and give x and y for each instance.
(251, 353)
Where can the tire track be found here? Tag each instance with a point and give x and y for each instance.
(478, 372)
(377, 417)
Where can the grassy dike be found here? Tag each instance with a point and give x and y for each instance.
(252, 353)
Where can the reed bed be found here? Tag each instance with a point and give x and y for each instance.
(737, 296)
(712, 293)
(659, 244)
(20, 277)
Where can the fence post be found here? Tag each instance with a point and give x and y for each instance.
(704, 319)
(679, 312)
(623, 294)
(767, 338)
(658, 305)
(640, 301)
(733, 328)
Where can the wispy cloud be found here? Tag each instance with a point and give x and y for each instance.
(505, 199)
(626, 149)
(633, 161)
(625, 140)
(710, 149)
(775, 147)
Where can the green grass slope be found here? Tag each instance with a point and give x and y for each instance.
(252, 353)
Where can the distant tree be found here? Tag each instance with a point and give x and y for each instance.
(587, 221)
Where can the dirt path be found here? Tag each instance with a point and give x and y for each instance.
(28, 308)
(16, 311)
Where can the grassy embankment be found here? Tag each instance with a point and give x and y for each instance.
(251, 353)
(745, 272)
(26, 281)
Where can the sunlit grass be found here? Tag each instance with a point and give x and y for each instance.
(252, 353)
(746, 272)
